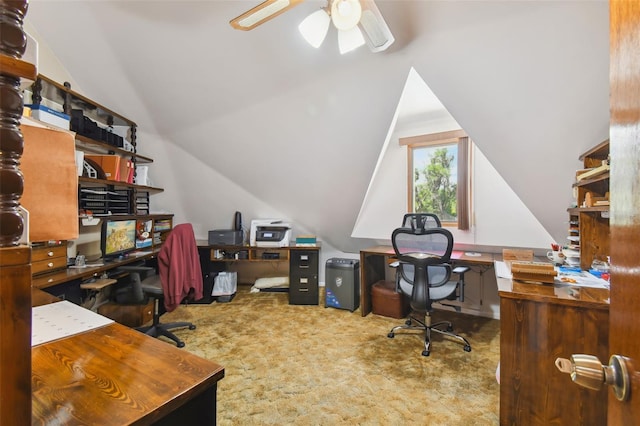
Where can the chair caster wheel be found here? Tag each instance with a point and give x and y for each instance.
(467, 348)
(391, 335)
(425, 353)
(450, 328)
(180, 344)
(192, 327)
(407, 322)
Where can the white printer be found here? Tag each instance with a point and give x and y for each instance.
(269, 233)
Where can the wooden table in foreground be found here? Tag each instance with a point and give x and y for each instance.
(114, 375)
(374, 262)
(539, 323)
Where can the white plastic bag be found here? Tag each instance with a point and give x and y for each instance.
(225, 284)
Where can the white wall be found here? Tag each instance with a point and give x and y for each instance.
(500, 218)
(218, 196)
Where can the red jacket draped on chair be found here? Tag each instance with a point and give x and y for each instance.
(179, 266)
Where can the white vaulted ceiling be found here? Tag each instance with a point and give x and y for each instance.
(301, 129)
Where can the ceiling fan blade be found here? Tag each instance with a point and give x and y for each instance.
(374, 28)
(263, 12)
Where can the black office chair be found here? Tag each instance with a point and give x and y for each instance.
(424, 274)
(176, 262)
(421, 220)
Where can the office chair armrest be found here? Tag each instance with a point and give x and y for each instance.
(133, 293)
(146, 278)
(460, 269)
(143, 272)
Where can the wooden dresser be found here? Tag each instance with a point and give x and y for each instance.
(539, 323)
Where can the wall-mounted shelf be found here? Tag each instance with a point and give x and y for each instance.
(119, 184)
(109, 143)
(577, 210)
(46, 88)
(17, 67)
(91, 145)
(593, 221)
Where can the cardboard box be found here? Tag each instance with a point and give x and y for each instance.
(126, 170)
(110, 165)
(50, 116)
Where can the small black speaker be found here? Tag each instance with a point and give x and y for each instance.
(237, 221)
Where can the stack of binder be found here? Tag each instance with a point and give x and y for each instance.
(305, 240)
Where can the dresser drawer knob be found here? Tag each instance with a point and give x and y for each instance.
(50, 253)
(50, 265)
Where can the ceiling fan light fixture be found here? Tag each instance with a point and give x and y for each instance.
(350, 40)
(315, 27)
(375, 30)
(345, 14)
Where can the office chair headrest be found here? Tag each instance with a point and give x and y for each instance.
(435, 243)
(421, 221)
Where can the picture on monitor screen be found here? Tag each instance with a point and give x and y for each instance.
(118, 237)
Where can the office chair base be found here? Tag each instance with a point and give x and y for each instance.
(156, 330)
(427, 328)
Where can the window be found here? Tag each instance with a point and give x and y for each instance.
(439, 176)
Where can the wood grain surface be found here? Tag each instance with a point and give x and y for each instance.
(114, 375)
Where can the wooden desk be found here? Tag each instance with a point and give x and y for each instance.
(299, 263)
(374, 261)
(71, 274)
(116, 375)
(538, 323)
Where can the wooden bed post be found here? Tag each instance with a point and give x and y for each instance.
(15, 259)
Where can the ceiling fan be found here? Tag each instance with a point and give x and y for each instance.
(357, 21)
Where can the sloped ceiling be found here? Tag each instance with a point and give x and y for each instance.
(302, 128)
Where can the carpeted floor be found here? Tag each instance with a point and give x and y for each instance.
(311, 365)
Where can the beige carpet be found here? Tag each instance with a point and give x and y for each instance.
(311, 365)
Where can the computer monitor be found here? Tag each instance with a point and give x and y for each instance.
(118, 238)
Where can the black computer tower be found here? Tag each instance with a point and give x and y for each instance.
(342, 284)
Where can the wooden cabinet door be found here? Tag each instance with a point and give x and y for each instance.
(624, 329)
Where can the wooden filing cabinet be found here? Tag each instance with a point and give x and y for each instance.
(48, 258)
(303, 277)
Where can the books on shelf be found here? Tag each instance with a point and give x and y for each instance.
(162, 225)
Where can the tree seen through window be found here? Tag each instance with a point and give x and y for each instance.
(435, 181)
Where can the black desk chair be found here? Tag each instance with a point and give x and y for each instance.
(424, 274)
(421, 220)
(179, 277)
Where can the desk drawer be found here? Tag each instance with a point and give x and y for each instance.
(48, 259)
(45, 253)
(129, 315)
(48, 265)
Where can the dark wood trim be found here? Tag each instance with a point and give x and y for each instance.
(15, 266)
